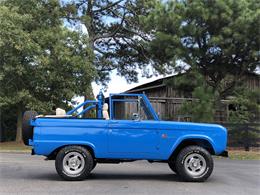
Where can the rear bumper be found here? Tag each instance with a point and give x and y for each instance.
(224, 154)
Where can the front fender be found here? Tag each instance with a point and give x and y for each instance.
(190, 137)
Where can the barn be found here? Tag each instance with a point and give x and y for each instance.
(167, 99)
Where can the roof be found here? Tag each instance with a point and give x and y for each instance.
(154, 84)
(151, 85)
(161, 83)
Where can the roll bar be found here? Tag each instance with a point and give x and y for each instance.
(93, 103)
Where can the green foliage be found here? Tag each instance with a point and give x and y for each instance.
(219, 38)
(245, 113)
(42, 63)
(115, 34)
(201, 109)
(246, 104)
(8, 117)
(244, 135)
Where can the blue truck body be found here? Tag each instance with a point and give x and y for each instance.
(122, 139)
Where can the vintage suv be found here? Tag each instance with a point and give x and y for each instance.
(131, 131)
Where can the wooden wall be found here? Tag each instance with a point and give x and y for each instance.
(167, 101)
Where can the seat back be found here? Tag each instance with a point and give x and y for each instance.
(105, 111)
(60, 112)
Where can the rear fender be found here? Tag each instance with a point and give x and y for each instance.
(52, 155)
(47, 148)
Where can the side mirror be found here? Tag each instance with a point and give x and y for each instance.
(135, 117)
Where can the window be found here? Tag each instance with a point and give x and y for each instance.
(124, 110)
(131, 108)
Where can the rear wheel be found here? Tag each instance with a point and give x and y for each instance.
(194, 163)
(74, 163)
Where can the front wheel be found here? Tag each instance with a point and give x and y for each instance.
(194, 163)
(94, 165)
(74, 163)
(172, 166)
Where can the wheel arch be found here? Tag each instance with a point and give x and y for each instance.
(198, 141)
(53, 154)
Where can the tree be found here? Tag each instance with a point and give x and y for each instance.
(14, 44)
(245, 115)
(42, 62)
(246, 106)
(202, 107)
(115, 34)
(219, 38)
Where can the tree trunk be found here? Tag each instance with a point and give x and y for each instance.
(19, 124)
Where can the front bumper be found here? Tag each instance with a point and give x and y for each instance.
(224, 154)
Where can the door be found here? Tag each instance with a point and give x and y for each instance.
(127, 136)
(135, 137)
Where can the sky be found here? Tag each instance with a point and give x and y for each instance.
(118, 84)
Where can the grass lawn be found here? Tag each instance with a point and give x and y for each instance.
(14, 147)
(244, 155)
(238, 154)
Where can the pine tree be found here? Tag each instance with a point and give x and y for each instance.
(218, 38)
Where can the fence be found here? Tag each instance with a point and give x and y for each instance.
(243, 135)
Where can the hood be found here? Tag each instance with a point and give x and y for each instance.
(171, 125)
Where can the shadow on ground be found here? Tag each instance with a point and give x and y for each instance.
(109, 176)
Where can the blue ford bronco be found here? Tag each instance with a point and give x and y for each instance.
(125, 129)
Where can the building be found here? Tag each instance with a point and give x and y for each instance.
(167, 99)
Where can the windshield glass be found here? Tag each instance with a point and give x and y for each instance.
(131, 108)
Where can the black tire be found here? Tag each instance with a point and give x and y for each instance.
(172, 166)
(94, 165)
(197, 158)
(66, 171)
(27, 129)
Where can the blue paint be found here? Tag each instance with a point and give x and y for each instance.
(86, 109)
(81, 105)
(100, 98)
(93, 104)
(122, 139)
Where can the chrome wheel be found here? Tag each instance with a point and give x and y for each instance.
(73, 163)
(195, 164)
